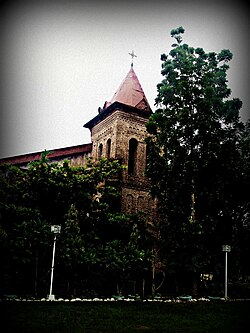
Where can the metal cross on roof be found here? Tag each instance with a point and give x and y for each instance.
(133, 55)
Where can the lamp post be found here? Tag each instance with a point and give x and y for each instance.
(56, 229)
(226, 249)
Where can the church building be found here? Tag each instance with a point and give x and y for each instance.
(118, 131)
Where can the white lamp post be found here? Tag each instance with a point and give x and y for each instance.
(226, 249)
(56, 229)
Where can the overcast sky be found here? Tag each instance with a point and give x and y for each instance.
(61, 60)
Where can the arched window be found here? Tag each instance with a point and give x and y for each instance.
(100, 150)
(129, 204)
(132, 154)
(150, 204)
(108, 148)
(140, 203)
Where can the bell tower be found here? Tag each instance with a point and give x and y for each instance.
(118, 132)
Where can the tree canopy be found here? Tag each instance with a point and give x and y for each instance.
(99, 247)
(198, 161)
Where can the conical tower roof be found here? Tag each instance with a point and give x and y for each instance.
(129, 96)
(130, 93)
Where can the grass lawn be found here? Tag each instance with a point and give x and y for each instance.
(124, 317)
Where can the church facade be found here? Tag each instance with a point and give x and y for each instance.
(118, 131)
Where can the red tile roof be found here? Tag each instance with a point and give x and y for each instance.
(56, 153)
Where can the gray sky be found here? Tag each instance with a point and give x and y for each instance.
(61, 60)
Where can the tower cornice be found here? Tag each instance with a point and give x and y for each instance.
(113, 107)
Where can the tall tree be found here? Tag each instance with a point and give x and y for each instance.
(195, 158)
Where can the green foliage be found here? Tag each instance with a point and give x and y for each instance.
(96, 239)
(198, 160)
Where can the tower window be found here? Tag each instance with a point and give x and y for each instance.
(140, 203)
(108, 148)
(129, 204)
(132, 154)
(100, 150)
